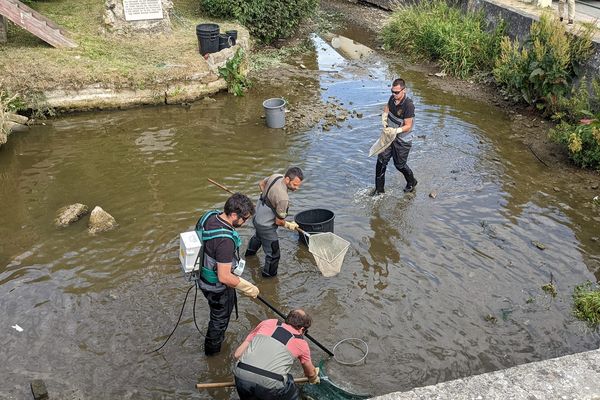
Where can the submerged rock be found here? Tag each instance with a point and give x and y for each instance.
(69, 214)
(101, 221)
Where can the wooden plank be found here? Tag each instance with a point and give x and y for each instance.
(35, 23)
(3, 29)
(41, 17)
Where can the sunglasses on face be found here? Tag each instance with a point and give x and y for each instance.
(244, 218)
(396, 92)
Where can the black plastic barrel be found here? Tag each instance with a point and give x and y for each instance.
(224, 41)
(233, 35)
(208, 38)
(317, 220)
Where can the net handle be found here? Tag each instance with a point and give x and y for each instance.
(303, 232)
(305, 334)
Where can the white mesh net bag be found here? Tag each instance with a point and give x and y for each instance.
(329, 250)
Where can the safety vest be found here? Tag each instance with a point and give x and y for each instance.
(208, 270)
(267, 360)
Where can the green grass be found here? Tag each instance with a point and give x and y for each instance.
(586, 303)
(104, 58)
(433, 30)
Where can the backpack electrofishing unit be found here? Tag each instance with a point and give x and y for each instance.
(191, 249)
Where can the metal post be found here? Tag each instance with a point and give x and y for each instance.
(3, 29)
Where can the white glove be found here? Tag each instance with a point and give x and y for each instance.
(247, 288)
(315, 380)
(384, 118)
(390, 132)
(292, 226)
(399, 130)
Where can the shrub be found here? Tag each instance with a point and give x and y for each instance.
(436, 31)
(540, 72)
(579, 127)
(221, 8)
(237, 82)
(581, 140)
(267, 20)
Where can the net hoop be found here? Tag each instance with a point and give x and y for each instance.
(364, 347)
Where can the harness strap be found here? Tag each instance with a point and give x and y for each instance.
(282, 335)
(260, 371)
(265, 198)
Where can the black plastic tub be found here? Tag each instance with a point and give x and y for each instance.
(224, 41)
(208, 38)
(317, 220)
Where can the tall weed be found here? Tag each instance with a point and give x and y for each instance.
(579, 127)
(541, 71)
(435, 31)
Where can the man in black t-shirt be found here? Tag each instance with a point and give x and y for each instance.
(398, 117)
(220, 256)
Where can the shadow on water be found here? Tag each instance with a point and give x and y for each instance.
(417, 283)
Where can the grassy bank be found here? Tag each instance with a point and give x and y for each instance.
(100, 58)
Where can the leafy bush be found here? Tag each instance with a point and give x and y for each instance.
(221, 8)
(579, 127)
(582, 141)
(541, 71)
(436, 31)
(267, 20)
(586, 304)
(237, 82)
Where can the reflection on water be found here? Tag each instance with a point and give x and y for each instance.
(419, 278)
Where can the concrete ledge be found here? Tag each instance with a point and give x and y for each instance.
(103, 96)
(570, 377)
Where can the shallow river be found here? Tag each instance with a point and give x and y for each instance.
(439, 288)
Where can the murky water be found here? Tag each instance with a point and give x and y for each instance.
(418, 281)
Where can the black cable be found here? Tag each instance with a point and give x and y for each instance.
(194, 310)
(179, 319)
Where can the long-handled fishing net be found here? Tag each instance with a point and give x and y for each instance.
(327, 390)
(329, 251)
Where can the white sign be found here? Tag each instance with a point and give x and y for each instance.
(136, 10)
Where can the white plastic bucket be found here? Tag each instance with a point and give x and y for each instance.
(274, 112)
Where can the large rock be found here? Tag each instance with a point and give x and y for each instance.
(101, 221)
(69, 214)
(115, 22)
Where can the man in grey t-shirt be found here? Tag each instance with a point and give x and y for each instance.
(271, 210)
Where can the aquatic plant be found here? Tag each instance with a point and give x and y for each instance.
(586, 303)
(233, 73)
(437, 31)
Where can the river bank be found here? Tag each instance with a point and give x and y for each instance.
(440, 288)
(110, 71)
(531, 129)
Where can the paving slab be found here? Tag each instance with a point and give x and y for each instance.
(572, 377)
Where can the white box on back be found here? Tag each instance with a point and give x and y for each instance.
(189, 247)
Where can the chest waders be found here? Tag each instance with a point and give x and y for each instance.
(265, 199)
(209, 280)
(267, 363)
(398, 150)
